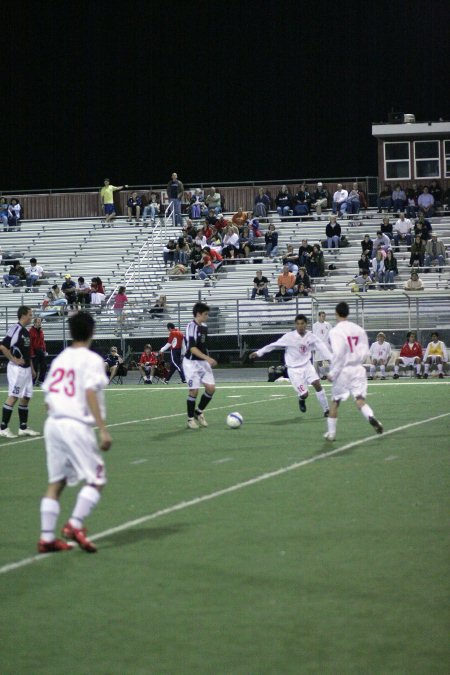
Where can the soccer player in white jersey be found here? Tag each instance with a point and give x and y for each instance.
(197, 366)
(20, 372)
(380, 353)
(75, 401)
(299, 345)
(350, 348)
(321, 328)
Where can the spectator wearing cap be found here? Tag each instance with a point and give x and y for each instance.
(69, 288)
(435, 252)
(320, 199)
(381, 241)
(34, 272)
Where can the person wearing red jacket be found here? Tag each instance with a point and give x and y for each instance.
(147, 364)
(175, 344)
(411, 354)
(38, 351)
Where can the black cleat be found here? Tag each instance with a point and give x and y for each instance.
(425, 376)
(396, 376)
(370, 377)
(326, 413)
(376, 425)
(302, 404)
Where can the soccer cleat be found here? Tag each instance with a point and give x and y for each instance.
(7, 433)
(79, 535)
(329, 436)
(53, 546)
(201, 419)
(441, 376)
(324, 377)
(396, 376)
(192, 423)
(418, 376)
(28, 432)
(370, 377)
(302, 404)
(425, 376)
(383, 377)
(376, 425)
(326, 413)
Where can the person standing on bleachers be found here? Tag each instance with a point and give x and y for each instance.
(175, 192)
(107, 198)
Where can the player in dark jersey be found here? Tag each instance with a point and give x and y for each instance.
(197, 366)
(175, 344)
(16, 347)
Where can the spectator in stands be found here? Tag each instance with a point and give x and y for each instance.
(254, 225)
(333, 233)
(213, 200)
(38, 351)
(212, 218)
(315, 265)
(414, 283)
(34, 273)
(152, 209)
(304, 195)
(134, 206)
(197, 206)
(159, 308)
(378, 268)
(240, 218)
(4, 213)
(260, 286)
(283, 202)
(57, 298)
(302, 280)
(367, 244)
(271, 239)
(399, 198)
(434, 252)
(290, 258)
(422, 227)
(340, 200)
(304, 253)
(246, 245)
(175, 192)
(261, 204)
(320, 199)
(390, 270)
(208, 269)
(282, 295)
(200, 238)
(436, 352)
(402, 231)
(417, 257)
(182, 251)
(412, 196)
(147, 364)
(196, 260)
(14, 213)
(301, 204)
(411, 354)
(169, 252)
(15, 275)
(381, 241)
(120, 301)
(107, 198)
(216, 257)
(69, 288)
(353, 200)
(189, 230)
(83, 292)
(286, 279)
(112, 362)
(364, 263)
(425, 203)
(386, 227)
(436, 191)
(98, 283)
(230, 243)
(384, 200)
(361, 282)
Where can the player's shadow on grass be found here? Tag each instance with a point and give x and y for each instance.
(137, 534)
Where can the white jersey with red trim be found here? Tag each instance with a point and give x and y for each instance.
(298, 348)
(349, 345)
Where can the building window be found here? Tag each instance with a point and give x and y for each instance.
(427, 159)
(396, 161)
(447, 158)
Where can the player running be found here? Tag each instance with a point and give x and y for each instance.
(321, 328)
(75, 401)
(299, 345)
(175, 344)
(350, 348)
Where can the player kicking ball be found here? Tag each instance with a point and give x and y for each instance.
(75, 401)
(299, 346)
(350, 348)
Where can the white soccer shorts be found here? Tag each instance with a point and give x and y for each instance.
(20, 381)
(72, 452)
(408, 360)
(302, 377)
(197, 373)
(352, 380)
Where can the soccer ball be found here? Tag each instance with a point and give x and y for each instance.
(235, 420)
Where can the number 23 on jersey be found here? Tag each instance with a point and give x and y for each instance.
(62, 381)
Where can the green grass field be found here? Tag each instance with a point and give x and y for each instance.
(338, 563)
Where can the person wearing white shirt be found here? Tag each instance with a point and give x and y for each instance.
(299, 345)
(75, 402)
(350, 347)
(230, 243)
(321, 328)
(34, 272)
(340, 200)
(436, 352)
(380, 353)
(402, 230)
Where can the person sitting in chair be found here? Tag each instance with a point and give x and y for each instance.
(147, 364)
(113, 361)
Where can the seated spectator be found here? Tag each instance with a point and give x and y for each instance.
(384, 200)
(290, 258)
(423, 228)
(261, 204)
(134, 206)
(200, 238)
(301, 205)
(364, 263)
(196, 260)
(304, 253)
(147, 364)
(315, 265)
(120, 301)
(213, 200)
(282, 295)
(112, 362)
(99, 284)
(333, 233)
(4, 213)
(354, 200)
(414, 283)
(283, 202)
(390, 270)
(286, 279)
(399, 198)
(212, 218)
(34, 273)
(435, 353)
(69, 288)
(402, 231)
(207, 270)
(189, 230)
(182, 251)
(16, 275)
(381, 241)
(417, 257)
(425, 203)
(246, 245)
(320, 199)
(221, 222)
(216, 257)
(197, 207)
(386, 228)
(14, 214)
(436, 191)
(254, 226)
(361, 282)
(302, 279)
(340, 200)
(260, 286)
(152, 209)
(56, 297)
(159, 308)
(412, 196)
(97, 297)
(83, 292)
(169, 252)
(378, 267)
(230, 243)
(367, 244)
(380, 353)
(271, 239)
(411, 354)
(435, 252)
(240, 218)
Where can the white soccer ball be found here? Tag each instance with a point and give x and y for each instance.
(235, 420)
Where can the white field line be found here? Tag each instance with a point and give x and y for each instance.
(233, 488)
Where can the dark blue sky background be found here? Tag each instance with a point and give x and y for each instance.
(217, 91)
